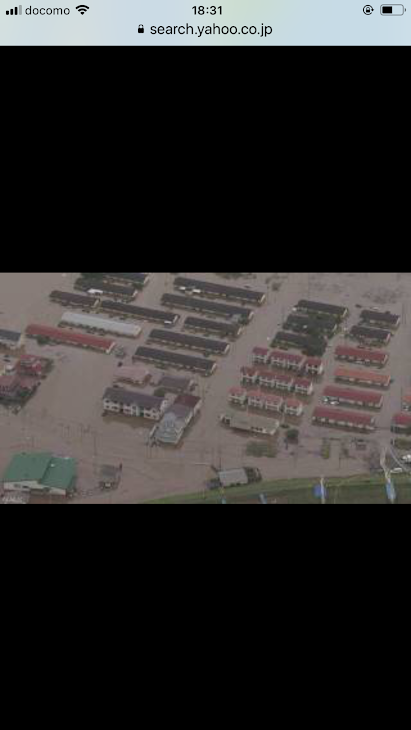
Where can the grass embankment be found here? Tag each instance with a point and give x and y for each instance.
(353, 490)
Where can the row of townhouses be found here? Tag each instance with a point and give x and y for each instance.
(277, 381)
(172, 418)
(139, 405)
(288, 361)
(266, 401)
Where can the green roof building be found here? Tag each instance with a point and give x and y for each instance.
(41, 473)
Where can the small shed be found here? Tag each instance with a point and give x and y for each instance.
(233, 477)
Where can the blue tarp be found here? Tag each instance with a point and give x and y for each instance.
(320, 492)
(391, 493)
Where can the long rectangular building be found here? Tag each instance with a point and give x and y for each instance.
(189, 342)
(100, 325)
(380, 319)
(134, 312)
(303, 323)
(249, 423)
(107, 288)
(65, 337)
(278, 358)
(362, 377)
(343, 419)
(401, 423)
(138, 280)
(11, 339)
(221, 329)
(288, 361)
(233, 293)
(304, 305)
(350, 396)
(219, 309)
(176, 360)
(371, 335)
(74, 301)
(359, 355)
(300, 341)
(140, 405)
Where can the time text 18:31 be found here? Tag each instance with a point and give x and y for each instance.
(211, 10)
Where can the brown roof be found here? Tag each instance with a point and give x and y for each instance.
(335, 414)
(77, 338)
(271, 398)
(287, 356)
(363, 375)
(283, 378)
(303, 382)
(357, 352)
(266, 397)
(250, 371)
(266, 374)
(332, 391)
(132, 372)
(235, 390)
(314, 361)
(402, 419)
(261, 351)
(10, 381)
(185, 399)
(292, 403)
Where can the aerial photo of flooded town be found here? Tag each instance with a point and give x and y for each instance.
(199, 388)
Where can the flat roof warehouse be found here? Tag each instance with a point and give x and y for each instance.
(47, 11)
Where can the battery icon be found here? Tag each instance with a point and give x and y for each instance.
(392, 9)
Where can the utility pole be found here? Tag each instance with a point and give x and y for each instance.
(95, 451)
(220, 458)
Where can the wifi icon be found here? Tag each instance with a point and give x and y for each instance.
(82, 8)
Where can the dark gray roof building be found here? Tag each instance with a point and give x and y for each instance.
(11, 339)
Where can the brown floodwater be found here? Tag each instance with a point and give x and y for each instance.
(65, 416)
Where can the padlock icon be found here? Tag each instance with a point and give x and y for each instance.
(141, 28)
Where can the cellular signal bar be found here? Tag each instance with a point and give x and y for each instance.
(15, 11)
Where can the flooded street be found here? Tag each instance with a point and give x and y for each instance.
(65, 416)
